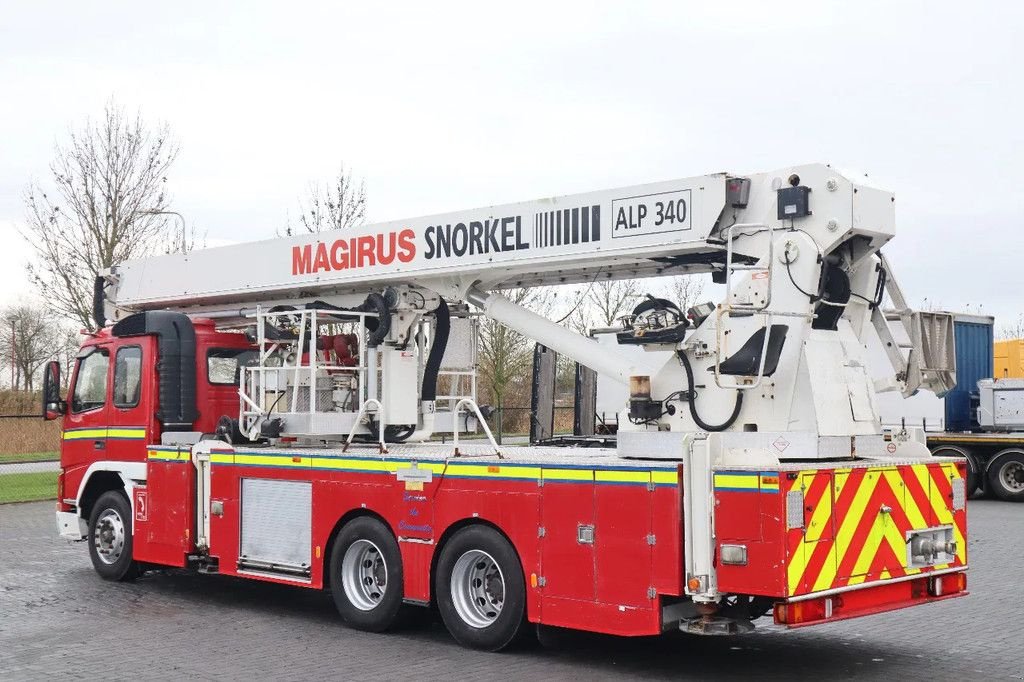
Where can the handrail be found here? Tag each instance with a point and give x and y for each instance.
(729, 267)
(455, 426)
(359, 416)
(724, 310)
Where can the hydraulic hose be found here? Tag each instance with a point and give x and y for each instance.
(97, 303)
(375, 303)
(692, 400)
(442, 328)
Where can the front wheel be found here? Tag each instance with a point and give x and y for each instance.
(1006, 475)
(480, 589)
(110, 538)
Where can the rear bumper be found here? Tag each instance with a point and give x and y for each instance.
(869, 599)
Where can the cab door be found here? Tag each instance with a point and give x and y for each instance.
(131, 411)
(84, 439)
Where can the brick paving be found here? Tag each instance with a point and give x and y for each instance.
(58, 620)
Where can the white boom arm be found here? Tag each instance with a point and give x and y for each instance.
(797, 248)
(629, 232)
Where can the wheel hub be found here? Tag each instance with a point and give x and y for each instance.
(477, 588)
(364, 574)
(109, 536)
(1012, 476)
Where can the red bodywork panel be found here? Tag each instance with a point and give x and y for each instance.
(604, 586)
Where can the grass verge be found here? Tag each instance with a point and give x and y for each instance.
(13, 457)
(28, 487)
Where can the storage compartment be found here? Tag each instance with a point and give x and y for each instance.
(275, 526)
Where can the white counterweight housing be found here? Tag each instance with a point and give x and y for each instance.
(779, 368)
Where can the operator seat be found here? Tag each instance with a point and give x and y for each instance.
(747, 359)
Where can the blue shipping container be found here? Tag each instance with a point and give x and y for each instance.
(974, 343)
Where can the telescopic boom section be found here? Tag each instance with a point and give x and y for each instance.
(624, 233)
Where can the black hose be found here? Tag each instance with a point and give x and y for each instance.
(693, 407)
(442, 328)
(376, 303)
(97, 303)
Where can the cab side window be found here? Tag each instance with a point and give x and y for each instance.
(91, 381)
(127, 376)
(222, 364)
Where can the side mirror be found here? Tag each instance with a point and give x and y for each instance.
(53, 406)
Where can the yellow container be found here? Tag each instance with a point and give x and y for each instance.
(1008, 360)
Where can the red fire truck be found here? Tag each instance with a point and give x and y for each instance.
(266, 411)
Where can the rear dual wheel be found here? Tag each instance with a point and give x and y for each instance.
(1006, 475)
(366, 575)
(480, 589)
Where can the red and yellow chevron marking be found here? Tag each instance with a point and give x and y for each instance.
(848, 539)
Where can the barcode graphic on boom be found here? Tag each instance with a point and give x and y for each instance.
(567, 226)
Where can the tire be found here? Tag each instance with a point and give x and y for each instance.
(366, 575)
(973, 468)
(480, 589)
(110, 538)
(1006, 475)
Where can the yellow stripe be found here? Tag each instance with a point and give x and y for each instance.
(126, 433)
(622, 476)
(85, 433)
(492, 471)
(665, 477)
(966, 439)
(746, 482)
(104, 432)
(264, 460)
(567, 474)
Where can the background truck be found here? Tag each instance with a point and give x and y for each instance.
(981, 419)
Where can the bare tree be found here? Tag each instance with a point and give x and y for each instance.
(107, 206)
(1014, 330)
(506, 355)
(30, 336)
(685, 290)
(611, 299)
(335, 206)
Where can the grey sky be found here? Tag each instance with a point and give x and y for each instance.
(449, 107)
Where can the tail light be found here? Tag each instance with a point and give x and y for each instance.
(950, 583)
(805, 611)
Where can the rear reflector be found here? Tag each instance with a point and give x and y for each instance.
(959, 494)
(795, 509)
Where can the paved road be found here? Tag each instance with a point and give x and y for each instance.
(28, 467)
(58, 621)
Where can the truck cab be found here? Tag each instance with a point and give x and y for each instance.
(130, 385)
